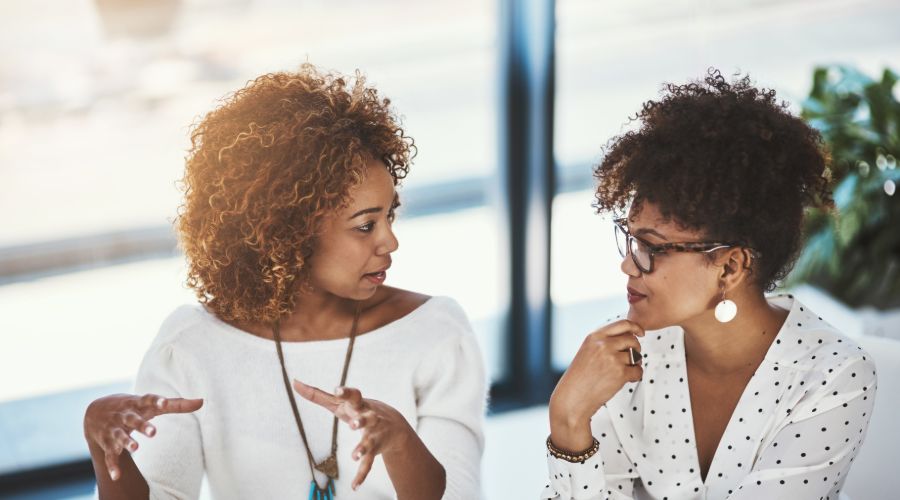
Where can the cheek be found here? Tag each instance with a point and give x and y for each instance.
(336, 261)
(675, 295)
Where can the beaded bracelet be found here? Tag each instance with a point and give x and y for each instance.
(573, 457)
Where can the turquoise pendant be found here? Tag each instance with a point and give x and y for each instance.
(316, 493)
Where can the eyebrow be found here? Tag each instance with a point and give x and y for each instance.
(371, 210)
(645, 230)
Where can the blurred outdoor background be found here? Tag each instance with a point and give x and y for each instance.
(97, 99)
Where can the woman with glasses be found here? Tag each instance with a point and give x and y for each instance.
(710, 388)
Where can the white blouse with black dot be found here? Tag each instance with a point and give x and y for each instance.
(795, 431)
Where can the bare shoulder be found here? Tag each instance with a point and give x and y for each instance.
(389, 305)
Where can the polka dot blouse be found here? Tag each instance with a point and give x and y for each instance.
(794, 434)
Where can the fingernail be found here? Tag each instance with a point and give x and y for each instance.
(160, 402)
(355, 424)
(132, 446)
(151, 430)
(339, 391)
(113, 474)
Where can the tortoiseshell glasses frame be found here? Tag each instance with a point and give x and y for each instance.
(642, 251)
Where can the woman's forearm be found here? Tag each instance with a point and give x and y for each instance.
(130, 485)
(414, 472)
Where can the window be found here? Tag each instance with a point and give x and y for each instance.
(95, 122)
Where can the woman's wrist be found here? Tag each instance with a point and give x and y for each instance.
(568, 422)
(401, 439)
(572, 439)
(573, 456)
(565, 418)
(570, 432)
(413, 470)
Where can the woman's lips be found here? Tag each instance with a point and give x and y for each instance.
(634, 296)
(377, 278)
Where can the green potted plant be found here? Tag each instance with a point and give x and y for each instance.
(853, 252)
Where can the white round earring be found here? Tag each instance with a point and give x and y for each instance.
(726, 309)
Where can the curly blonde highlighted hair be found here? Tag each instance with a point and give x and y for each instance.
(263, 171)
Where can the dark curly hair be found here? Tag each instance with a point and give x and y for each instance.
(264, 169)
(725, 159)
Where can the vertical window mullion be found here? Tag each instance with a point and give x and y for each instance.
(527, 187)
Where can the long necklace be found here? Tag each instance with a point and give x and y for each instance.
(328, 466)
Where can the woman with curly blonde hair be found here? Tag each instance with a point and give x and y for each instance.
(286, 225)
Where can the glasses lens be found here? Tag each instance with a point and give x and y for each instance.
(621, 239)
(641, 254)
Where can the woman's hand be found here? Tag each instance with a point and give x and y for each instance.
(109, 422)
(385, 430)
(600, 369)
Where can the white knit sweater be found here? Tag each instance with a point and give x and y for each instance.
(427, 365)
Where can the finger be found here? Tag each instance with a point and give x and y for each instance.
(364, 447)
(631, 357)
(111, 458)
(348, 413)
(150, 402)
(359, 422)
(364, 467)
(124, 441)
(317, 396)
(111, 452)
(110, 442)
(134, 422)
(622, 343)
(148, 430)
(633, 373)
(351, 396)
(177, 405)
(131, 420)
(620, 327)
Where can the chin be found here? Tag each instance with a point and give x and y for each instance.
(366, 293)
(647, 323)
(634, 317)
(358, 293)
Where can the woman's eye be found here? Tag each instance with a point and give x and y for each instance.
(366, 228)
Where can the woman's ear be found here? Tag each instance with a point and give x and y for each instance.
(735, 266)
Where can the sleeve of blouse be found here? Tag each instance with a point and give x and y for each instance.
(608, 475)
(172, 460)
(451, 396)
(813, 451)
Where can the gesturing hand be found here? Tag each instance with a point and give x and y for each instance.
(109, 422)
(384, 429)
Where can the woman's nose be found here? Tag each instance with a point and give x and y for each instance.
(389, 242)
(628, 266)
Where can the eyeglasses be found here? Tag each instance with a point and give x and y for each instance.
(642, 251)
